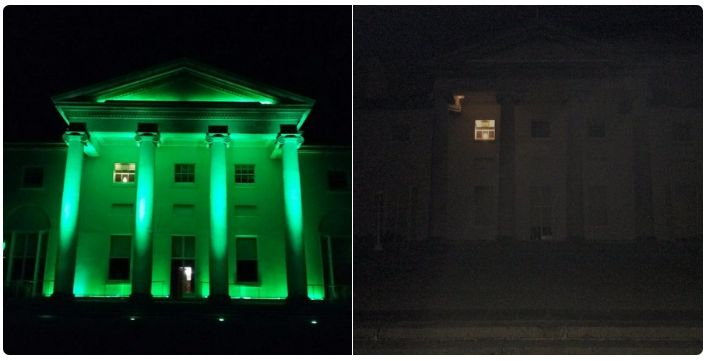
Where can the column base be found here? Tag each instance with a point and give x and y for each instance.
(140, 298)
(297, 300)
(219, 299)
(62, 297)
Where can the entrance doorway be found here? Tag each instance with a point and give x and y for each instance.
(182, 278)
(182, 267)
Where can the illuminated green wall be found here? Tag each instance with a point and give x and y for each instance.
(102, 214)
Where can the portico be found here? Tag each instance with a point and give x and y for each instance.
(165, 118)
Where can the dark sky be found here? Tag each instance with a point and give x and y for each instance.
(421, 32)
(51, 50)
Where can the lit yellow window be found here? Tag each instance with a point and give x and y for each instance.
(124, 173)
(484, 130)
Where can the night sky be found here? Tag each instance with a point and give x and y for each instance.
(51, 50)
(418, 33)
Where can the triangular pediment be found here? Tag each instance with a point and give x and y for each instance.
(540, 44)
(183, 81)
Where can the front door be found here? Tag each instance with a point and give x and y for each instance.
(182, 267)
(182, 278)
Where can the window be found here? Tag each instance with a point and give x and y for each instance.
(540, 211)
(246, 260)
(24, 260)
(244, 173)
(540, 129)
(596, 128)
(183, 247)
(484, 130)
(33, 177)
(597, 213)
(119, 261)
(337, 180)
(482, 200)
(124, 173)
(184, 173)
(681, 131)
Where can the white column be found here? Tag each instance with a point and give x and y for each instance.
(142, 246)
(66, 252)
(218, 268)
(295, 249)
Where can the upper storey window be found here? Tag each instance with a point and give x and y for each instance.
(244, 173)
(124, 173)
(540, 129)
(33, 177)
(184, 173)
(484, 130)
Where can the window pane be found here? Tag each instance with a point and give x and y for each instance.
(246, 271)
(337, 180)
(33, 177)
(189, 247)
(177, 246)
(244, 173)
(124, 172)
(540, 129)
(119, 269)
(120, 246)
(246, 248)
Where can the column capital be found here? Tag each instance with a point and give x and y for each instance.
(292, 137)
(71, 135)
(218, 138)
(147, 136)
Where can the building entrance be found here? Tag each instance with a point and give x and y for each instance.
(182, 267)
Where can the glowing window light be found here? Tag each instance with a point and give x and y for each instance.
(485, 130)
(124, 173)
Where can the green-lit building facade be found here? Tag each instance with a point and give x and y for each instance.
(179, 181)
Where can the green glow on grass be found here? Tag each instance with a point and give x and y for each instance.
(66, 253)
(218, 280)
(142, 247)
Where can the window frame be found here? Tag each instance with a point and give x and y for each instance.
(111, 258)
(24, 184)
(480, 129)
(249, 174)
(178, 173)
(345, 187)
(543, 135)
(238, 258)
(122, 172)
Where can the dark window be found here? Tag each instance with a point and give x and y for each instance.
(244, 173)
(183, 247)
(483, 201)
(597, 206)
(540, 129)
(681, 131)
(184, 173)
(119, 262)
(596, 128)
(33, 177)
(337, 180)
(540, 213)
(246, 260)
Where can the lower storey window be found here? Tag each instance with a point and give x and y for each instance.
(246, 260)
(119, 262)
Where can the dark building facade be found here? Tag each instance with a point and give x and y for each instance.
(540, 134)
